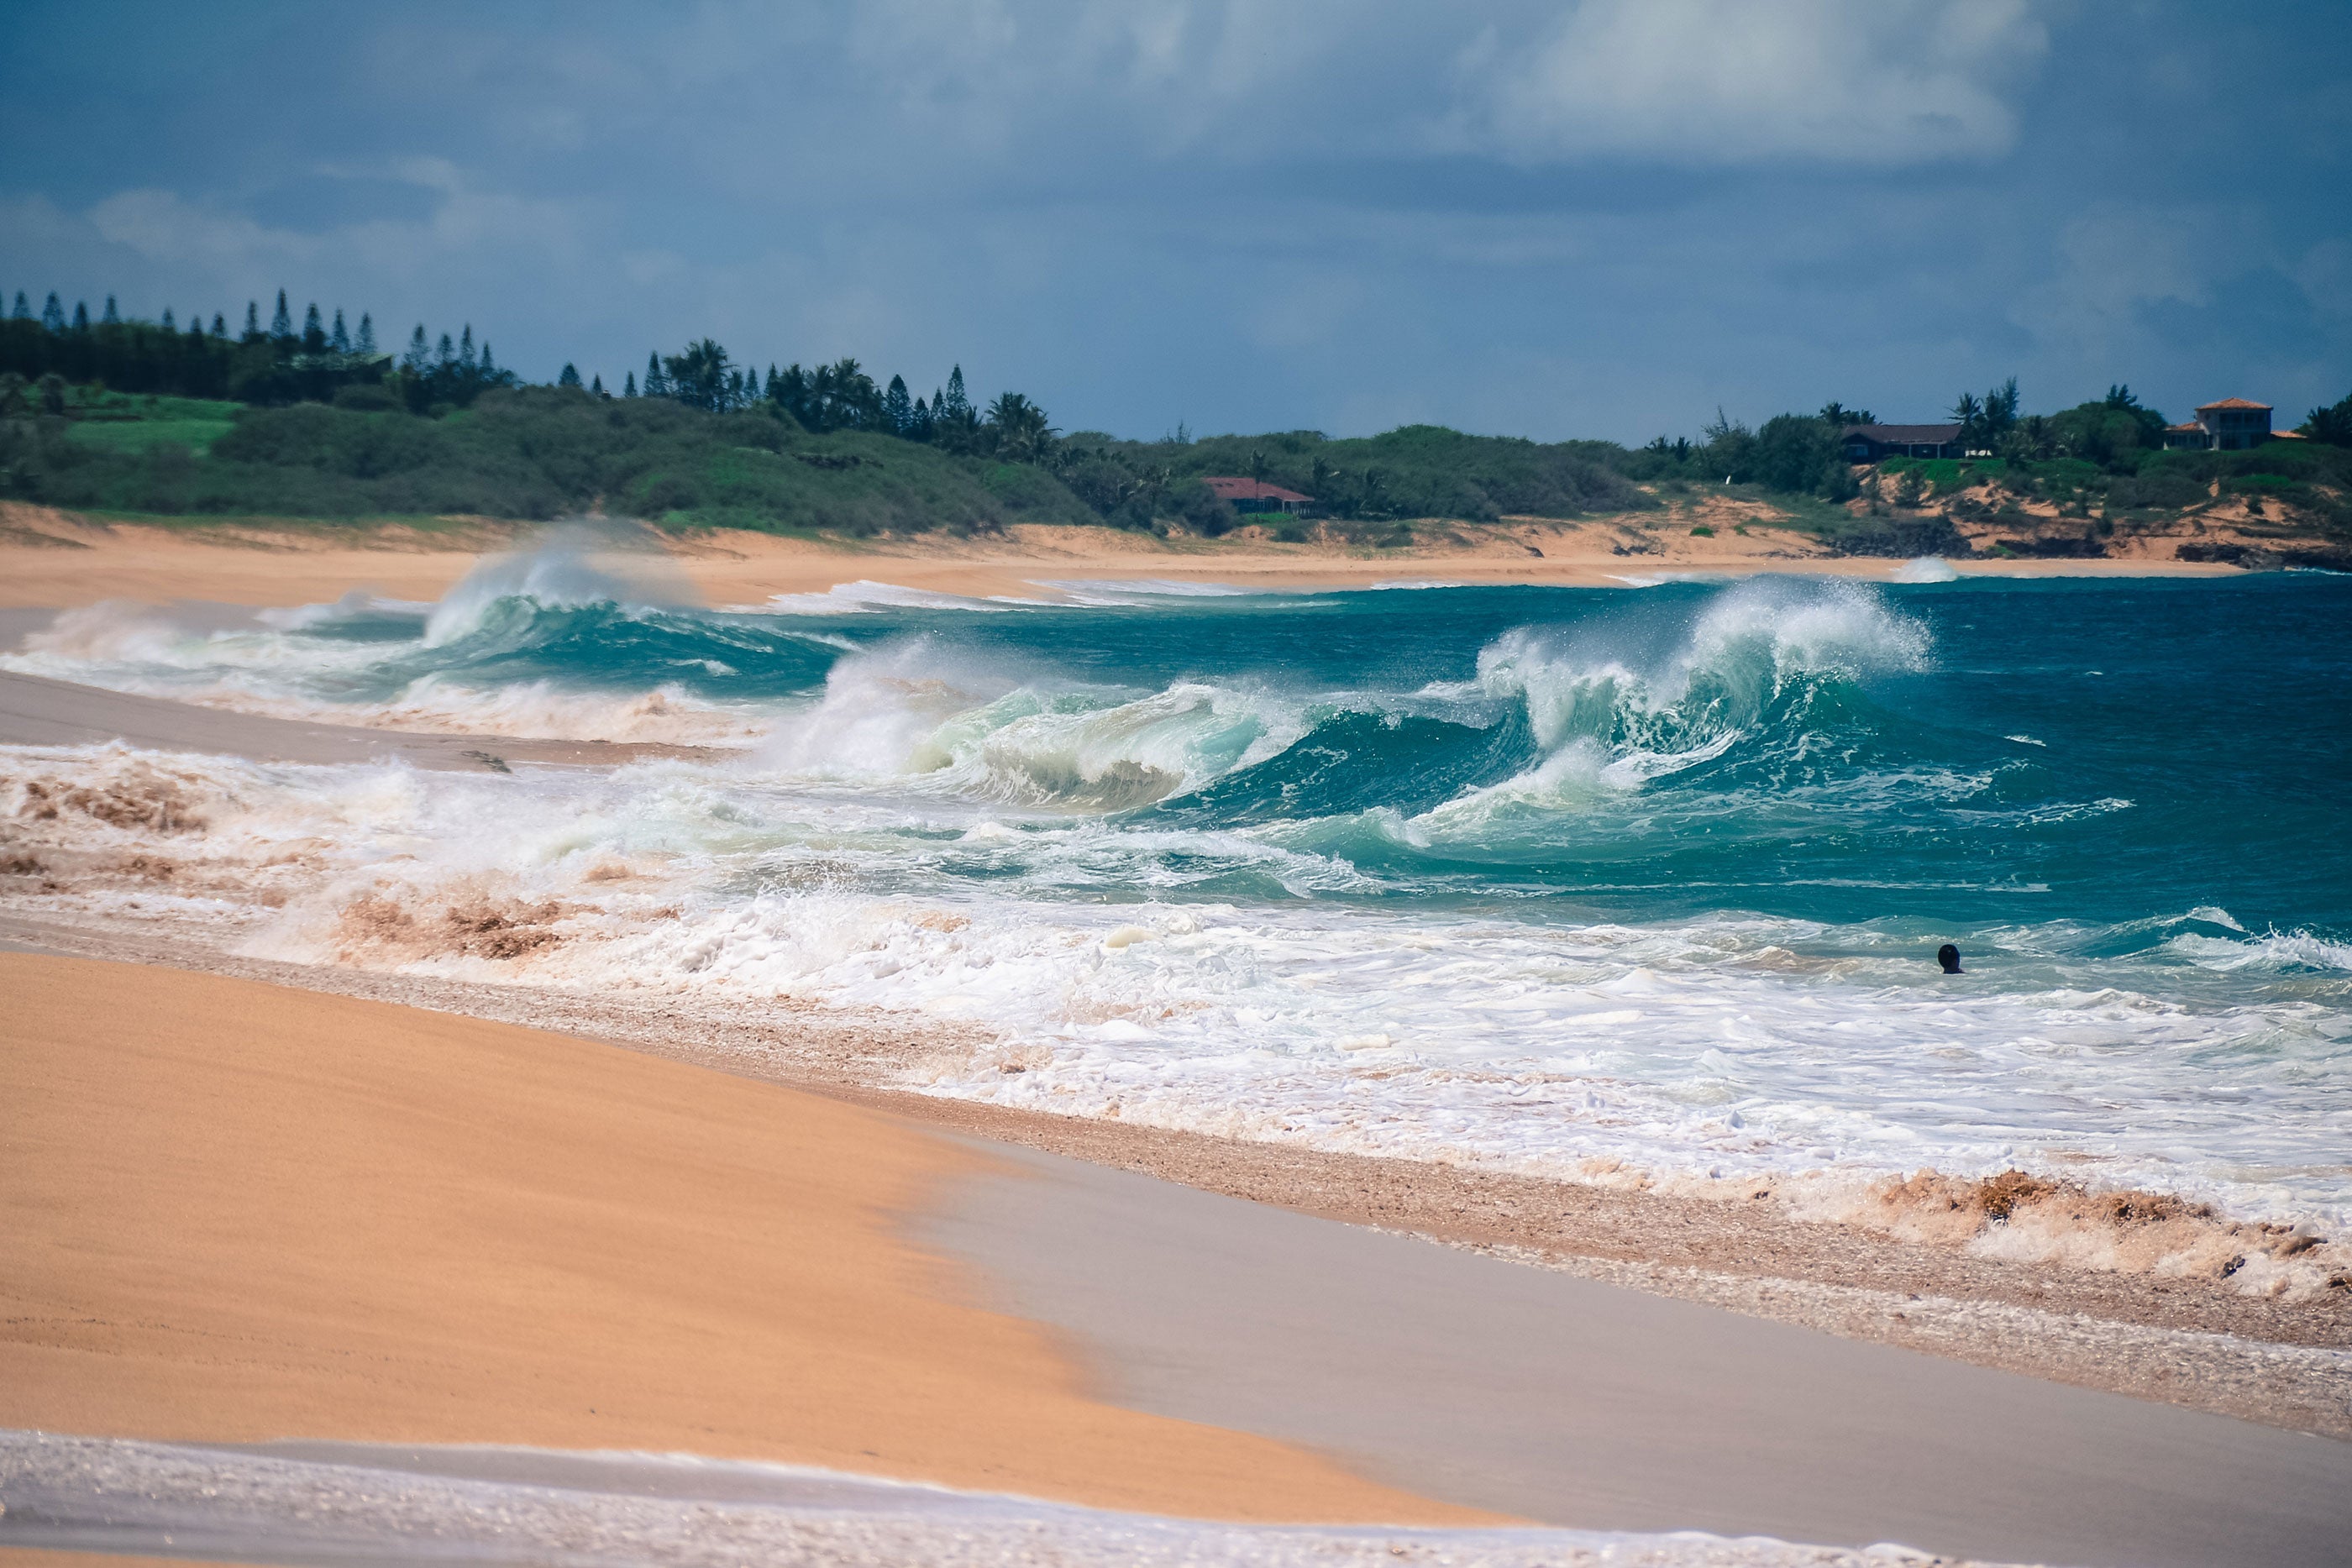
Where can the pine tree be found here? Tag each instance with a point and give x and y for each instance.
(314, 331)
(571, 376)
(53, 315)
(281, 325)
(366, 345)
(252, 321)
(656, 378)
(768, 387)
(81, 316)
(169, 324)
(339, 339)
(466, 347)
(957, 405)
(596, 384)
(445, 353)
(112, 317)
(489, 366)
(23, 306)
(629, 384)
(220, 327)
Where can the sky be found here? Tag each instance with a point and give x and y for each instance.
(1547, 218)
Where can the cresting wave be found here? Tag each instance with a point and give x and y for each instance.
(1621, 888)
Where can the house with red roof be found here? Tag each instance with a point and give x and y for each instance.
(2231, 426)
(1245, 494)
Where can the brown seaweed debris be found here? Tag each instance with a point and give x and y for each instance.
(1999, 1195)
(486, 928)
(155, 803)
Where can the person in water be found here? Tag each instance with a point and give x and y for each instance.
(1949, 957)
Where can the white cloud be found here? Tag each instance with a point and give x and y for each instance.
(1874, 82)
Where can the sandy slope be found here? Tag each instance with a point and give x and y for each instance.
(232, 1211)
(48, 558)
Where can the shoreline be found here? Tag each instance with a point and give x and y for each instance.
(368, 1295)
(2183, 1340)
(445, 1229)
(225, 563)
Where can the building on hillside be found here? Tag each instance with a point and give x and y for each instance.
(1869, 443)
(2231, 426)
(1245, 494)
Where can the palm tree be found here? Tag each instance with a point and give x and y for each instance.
(1971, 415)
(1019, 428)
(699, 376)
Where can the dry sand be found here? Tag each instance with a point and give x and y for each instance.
(48, 558)
(236, 1212)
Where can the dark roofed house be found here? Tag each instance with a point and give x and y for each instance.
(1245, 495)
(1869, 443)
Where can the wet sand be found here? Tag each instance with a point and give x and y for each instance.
(240, 1213)
(35, 711)
(1576, 1402)
(237, 1212)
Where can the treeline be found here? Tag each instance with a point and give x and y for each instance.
(843, 396)
(272, 365)
(1803, 453)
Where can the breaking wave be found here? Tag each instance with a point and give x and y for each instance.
(1605, 885)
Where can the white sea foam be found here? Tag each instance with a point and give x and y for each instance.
(279, 667)
(1924, 569)
(1696, 1051)
(335, 1504)
(930, 835)
(1118, 593)
(865, 597)
(569, 567)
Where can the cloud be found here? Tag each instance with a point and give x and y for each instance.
(2116, 260)
(1874, 82)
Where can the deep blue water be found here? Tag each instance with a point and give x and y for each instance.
(2099, 751)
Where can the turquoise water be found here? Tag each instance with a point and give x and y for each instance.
(1560, 879)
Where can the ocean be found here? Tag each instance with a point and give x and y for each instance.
(1641, 884)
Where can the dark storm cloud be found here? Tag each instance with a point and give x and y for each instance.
(1602, 218)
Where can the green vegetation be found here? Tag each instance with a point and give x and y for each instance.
(132, 417)
(532, 453)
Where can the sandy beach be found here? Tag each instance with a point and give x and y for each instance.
(245, 1214)
(238, 1212)
(256, 1201)
(48, 559)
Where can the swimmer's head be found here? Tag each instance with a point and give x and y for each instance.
(1949, 957)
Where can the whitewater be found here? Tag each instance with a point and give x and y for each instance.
(1635, 885)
